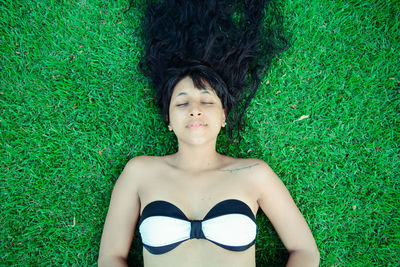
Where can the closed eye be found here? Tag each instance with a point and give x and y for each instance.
(185, 104)
(180, 105)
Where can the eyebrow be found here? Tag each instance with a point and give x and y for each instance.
(205, 91)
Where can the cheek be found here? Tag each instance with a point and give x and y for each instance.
(216, 118)
(175, 117)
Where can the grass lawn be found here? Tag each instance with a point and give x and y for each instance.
(75, 109)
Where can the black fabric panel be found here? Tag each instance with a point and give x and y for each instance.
(162, 208)
(163, 249)
(234, 248)
(230, 206)
(196, 229)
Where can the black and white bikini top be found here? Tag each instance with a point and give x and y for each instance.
(229, 224)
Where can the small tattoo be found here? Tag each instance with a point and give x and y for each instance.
(238, 169)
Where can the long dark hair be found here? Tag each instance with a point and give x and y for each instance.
(230, 44)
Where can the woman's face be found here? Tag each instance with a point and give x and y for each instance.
(196, 116)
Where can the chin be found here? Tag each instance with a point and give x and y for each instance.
(196, 141)
(198, 136)
(201, 140)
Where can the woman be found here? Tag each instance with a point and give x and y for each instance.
(197, 207)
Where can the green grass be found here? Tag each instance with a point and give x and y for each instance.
(75, 109)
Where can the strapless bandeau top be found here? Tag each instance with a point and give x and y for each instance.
(230, 224)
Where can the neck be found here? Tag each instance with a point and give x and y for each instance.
(196, 158)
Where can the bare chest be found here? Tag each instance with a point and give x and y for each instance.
(196, 193)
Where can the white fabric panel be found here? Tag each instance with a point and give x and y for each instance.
(159, 231)
(230, 229)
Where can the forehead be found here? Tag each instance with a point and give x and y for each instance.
(186, 87)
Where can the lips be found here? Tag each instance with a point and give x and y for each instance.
(196, 125)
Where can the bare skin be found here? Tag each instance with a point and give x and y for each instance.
(195, 179)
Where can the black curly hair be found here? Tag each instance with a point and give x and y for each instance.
(229, 44)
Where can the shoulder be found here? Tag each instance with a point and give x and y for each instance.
(142, 162)
(258, 167)
(262, 178)
(253, 165)
(135, 173)
(136, 168)
(255, 170)
(257, 175)
(144, 166)
(263, 170)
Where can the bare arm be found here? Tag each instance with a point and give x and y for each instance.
(289, 223)
(121, 218)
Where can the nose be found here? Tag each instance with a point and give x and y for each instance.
(195, 111)
(195, 114)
